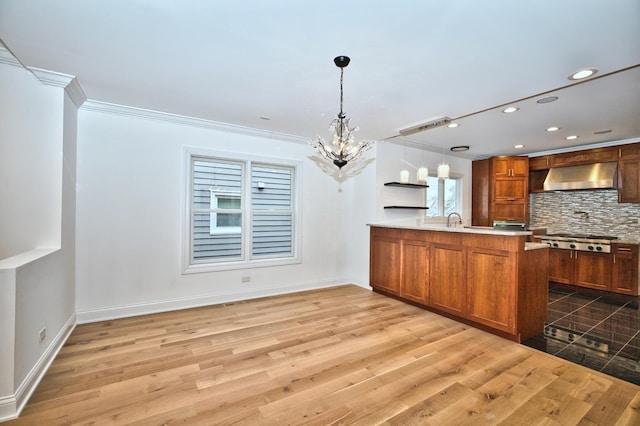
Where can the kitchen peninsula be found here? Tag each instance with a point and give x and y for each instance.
(493, 280)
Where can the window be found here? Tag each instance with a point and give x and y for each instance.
(444, 196)
(241, 213)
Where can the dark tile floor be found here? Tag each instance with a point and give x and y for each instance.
(595, 329)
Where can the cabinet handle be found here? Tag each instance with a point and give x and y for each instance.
(624, 249)
(614, 258)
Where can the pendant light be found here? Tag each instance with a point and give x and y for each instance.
(444, 170)
(404, 174)
(423, 172)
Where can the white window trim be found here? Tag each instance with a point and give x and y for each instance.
(187, 176)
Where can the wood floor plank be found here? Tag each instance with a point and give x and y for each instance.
(340, 355)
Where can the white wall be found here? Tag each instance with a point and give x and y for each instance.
(30, 162)
(391, 160)
(37, 229)
(129, 218)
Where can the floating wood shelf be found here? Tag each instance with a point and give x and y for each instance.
(406, 185)
(406, 207)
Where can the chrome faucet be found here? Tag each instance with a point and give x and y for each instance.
(457, 222)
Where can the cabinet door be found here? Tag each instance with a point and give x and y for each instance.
(593, 270)
(501, 166)
(631, 150)
(510, 189)
(625, 269)
(561, 266)
(415, 271)
(384, 270)
(509, 210)
(539, 163)
(519, 166)
(629, 181)
(491, 278)
(447, 282)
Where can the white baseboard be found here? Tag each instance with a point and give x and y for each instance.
(104, 314)
(11, 406)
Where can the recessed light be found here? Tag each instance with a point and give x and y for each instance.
(452, 125)
(460, 148)
(547, 100)
(602, 132)
(553, 129)
(510, 109)
(582, 74)
(572, 137)
(518, 146)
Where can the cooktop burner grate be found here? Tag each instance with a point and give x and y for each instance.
(584, 236)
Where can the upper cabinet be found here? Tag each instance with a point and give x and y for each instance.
(504, 166)
(629, 173)
(500, 190)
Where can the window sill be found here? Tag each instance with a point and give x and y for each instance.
(198, 268)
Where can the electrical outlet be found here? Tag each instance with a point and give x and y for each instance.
(245, 279)
(43, 334)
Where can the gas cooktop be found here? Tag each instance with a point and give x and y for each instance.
(583, 236)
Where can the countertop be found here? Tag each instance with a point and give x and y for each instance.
(442, 228)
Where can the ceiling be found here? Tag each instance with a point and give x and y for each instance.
(242, 61)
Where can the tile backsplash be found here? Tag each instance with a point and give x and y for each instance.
(585, 212)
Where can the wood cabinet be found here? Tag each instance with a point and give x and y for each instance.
(539, 163)
(585, 156)
(625, 269)
(486, 280)
(488, 275)
(593, 270)
(629, 181)
(510, 166)
(447, 284)
(561, 266)
(384, 254)
(500, 190)
(582, 268)
(414, 270)
(629, 173)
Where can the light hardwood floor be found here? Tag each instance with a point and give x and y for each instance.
(342, 355)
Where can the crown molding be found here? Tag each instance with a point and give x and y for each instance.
(75, 92)
(115, 109)
(57, 79)
(51, 78)
(7, 58)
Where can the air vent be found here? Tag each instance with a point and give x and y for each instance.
(438, 122)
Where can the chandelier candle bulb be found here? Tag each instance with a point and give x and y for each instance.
(423, 174)
(404, 176)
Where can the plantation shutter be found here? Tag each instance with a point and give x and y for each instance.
(217, 210)
(271, 210)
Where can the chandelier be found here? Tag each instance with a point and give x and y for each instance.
(342, 147)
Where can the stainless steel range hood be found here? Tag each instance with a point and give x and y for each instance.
(589, 176)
